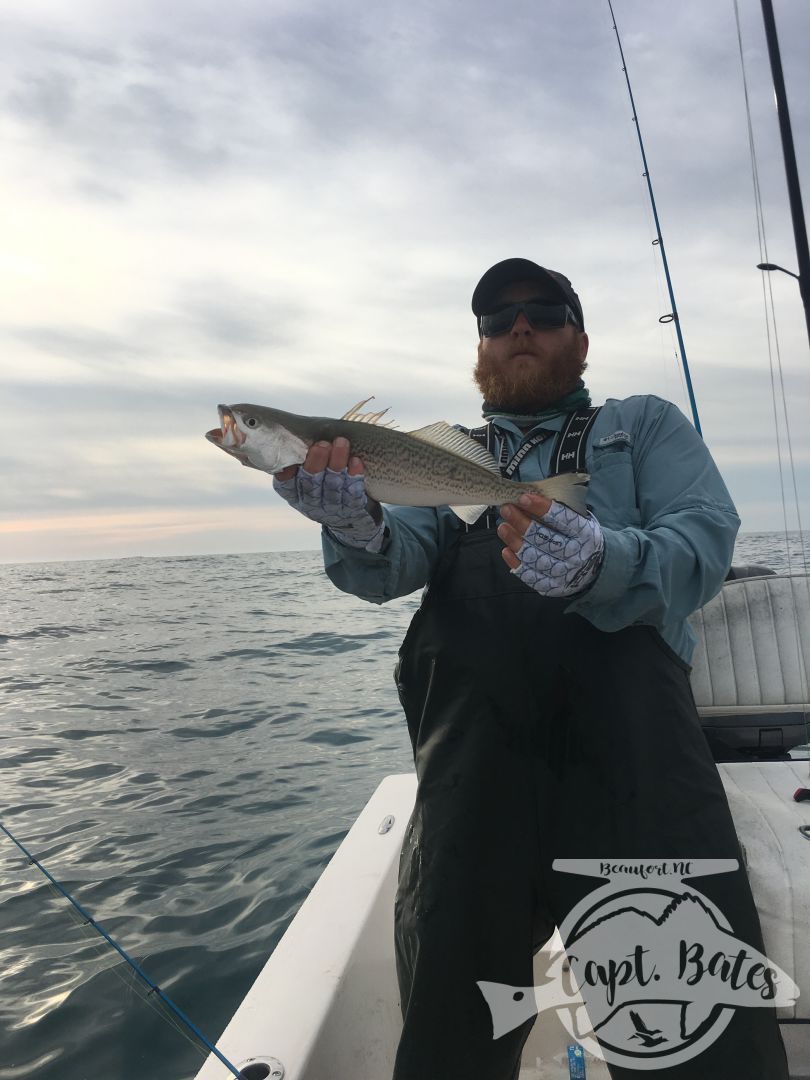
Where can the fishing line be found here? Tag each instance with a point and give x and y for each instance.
(773, 344)
(153, 987)
(770, 312)
(770, 308)
(673, 316)
(667, 344)
(129, 979)
(249, 849)
(669, 348)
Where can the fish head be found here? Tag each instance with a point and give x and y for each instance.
(252, 435)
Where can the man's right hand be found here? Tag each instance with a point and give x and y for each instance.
(330, 488)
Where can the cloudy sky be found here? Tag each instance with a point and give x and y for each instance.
(290, 201)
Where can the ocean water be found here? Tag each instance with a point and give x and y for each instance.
(184, 742)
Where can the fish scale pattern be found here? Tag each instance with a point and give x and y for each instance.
(336, 500)
(561, 555)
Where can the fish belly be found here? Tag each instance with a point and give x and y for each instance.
(410, 495)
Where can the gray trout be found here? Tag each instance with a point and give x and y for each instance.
(432, 466)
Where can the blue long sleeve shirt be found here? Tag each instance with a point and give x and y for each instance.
(668, 521)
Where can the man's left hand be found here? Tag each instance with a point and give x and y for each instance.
(551, 548)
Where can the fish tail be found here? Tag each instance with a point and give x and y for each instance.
(568, 488)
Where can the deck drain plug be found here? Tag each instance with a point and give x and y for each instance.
(262, 1069)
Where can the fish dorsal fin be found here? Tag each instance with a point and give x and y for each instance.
(449, 438)
(369, 417)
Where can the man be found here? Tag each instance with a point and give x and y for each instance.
(549, 707)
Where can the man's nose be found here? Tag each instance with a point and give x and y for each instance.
(521, 325)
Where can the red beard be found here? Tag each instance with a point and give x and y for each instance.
(531, 383)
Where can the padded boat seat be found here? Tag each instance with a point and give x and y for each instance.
(751, 663)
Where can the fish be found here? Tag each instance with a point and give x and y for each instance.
(436, 465)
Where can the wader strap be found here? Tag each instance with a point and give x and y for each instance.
(509, 468)
(569, 453)
(485, 436)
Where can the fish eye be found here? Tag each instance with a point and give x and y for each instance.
(251, 421)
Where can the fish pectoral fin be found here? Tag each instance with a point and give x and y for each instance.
(469, 514)
(369, 417)
(441, 434)
(569, 488)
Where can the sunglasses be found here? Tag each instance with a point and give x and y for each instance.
(541, 316)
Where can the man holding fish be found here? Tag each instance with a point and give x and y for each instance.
(545, 676)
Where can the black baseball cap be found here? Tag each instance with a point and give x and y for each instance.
(504, 273)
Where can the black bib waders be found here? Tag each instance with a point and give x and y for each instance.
(535, 737)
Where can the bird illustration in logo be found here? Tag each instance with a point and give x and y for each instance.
(644, 1034)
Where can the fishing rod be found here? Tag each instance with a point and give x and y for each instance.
(153, 987)
(791, 169)
(673, 315)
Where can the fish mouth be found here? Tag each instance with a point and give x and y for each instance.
(228, 436)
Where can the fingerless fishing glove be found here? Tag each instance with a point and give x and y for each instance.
(339, 502)
(562, 554)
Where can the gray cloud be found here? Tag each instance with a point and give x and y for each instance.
(224, 315)
(211, 315)
(89, 346)
(466, 88)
